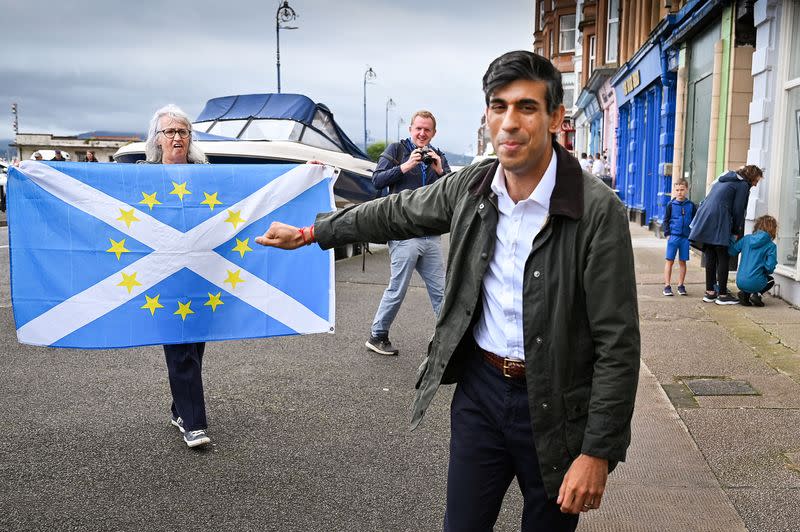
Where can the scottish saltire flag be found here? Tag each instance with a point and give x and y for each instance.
(120, 255)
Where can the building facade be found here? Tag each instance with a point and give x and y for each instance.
(554, 37)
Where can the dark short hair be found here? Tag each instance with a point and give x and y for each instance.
(524, 65)
(681, 181)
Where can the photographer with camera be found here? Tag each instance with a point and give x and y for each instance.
(406, 165)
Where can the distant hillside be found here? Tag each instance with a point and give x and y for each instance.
(457, 159)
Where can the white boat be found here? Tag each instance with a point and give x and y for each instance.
(276, 128)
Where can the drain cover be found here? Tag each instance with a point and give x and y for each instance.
(719, 386)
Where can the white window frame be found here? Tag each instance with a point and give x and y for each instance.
(562, 32)
(592, 53)
(540, 22)
(615, 21)
(786, 119)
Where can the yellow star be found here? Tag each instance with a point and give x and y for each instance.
(235, 218)
(129, 281)
(183, 310)
(213, 301)
(242, 247)
(128, 217)
(152, 304)
(150, 200)
(117, 247)
(211, 200)
(233, 278)
(179, 190)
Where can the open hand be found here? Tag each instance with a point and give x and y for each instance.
(283, 236)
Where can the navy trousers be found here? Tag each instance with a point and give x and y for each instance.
(491, 442)
(185, 366)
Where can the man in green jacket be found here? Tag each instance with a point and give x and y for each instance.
(539, 324)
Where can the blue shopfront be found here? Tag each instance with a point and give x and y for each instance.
(591, 115)
(645, 92)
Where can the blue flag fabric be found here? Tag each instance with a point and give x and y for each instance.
(122, 255)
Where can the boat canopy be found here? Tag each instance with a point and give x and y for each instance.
(292, 117)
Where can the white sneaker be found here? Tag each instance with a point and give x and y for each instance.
(177, 422)
(195, 438)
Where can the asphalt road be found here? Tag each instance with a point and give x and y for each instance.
(309, 433)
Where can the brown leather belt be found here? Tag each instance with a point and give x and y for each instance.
(512, 368)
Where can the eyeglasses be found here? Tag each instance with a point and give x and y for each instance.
(171, 132)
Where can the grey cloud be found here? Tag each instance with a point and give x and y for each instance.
(91, 65)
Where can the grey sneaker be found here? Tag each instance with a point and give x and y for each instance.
(726, 299)
(195, 438)
(382, 346)
(177, 422)
(755, 300)
(667, 291)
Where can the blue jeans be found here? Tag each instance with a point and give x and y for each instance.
(423, 254)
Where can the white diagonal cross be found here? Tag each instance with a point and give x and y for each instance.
(172, 251)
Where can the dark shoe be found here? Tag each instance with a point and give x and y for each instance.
(726, 299)
(382, 346)
(667, 291)
(177, 422)
(710, 297)
(755, 300)
(681, 290)
(196, 438)
(744, 299)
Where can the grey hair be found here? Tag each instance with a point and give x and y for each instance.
(152, 150)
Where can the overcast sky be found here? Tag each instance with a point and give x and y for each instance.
(88, 65)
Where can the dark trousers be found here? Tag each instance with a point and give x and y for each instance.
(716, 267)
(185, 366)
(770, 284)
(491, 442)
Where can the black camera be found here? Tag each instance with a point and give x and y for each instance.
(425, 151)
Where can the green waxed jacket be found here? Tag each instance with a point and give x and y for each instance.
(580, 316)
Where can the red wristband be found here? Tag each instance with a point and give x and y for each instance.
(313, 238)
(302, 231)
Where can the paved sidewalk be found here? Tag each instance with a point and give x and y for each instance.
(713, 462)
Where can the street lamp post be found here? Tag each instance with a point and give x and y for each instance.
(400, 122)
(369, 75)
(284, 14)
(389, 104)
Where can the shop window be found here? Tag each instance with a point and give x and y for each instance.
(612, 31)
(566, 33)
(789, 221)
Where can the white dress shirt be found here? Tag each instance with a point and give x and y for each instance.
(598, 167)
(499, 329)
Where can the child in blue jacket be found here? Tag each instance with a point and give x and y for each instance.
(758, 261)
(679, 214)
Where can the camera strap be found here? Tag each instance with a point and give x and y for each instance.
(409, 144)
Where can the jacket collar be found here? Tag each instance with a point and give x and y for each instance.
(567, 197)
